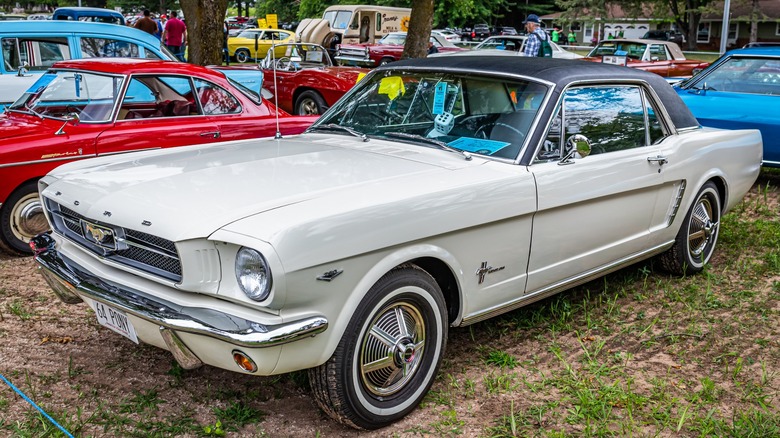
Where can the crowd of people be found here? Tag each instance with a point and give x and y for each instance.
(169, 29)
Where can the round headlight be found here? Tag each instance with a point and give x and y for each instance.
(253, 274)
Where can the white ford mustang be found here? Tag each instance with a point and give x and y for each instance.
(435, 194)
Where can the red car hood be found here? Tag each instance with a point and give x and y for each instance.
(15, 125)
(349, 74)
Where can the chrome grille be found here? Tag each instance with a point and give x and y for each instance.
(137, 249)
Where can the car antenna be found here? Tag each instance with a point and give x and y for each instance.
(278, 134)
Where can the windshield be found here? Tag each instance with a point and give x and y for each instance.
(393, 39)
(337, 19)
(741, 75)
(631, 50)
(58, 94)
(481, 115)
(491, 43)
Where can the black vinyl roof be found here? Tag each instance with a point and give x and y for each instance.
(562, 72)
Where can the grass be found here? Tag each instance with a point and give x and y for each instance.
(637, 353)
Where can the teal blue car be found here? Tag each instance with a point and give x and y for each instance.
(740, 90)
(30, 47)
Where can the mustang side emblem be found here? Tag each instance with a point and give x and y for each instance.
(484, 269)
(101, 236)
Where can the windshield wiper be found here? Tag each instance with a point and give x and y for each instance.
(440, 144)
(337, 127)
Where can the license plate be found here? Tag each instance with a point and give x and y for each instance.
(115, 320)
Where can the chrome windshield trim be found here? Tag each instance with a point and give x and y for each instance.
(71, 282)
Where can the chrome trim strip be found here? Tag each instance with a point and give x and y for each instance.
(562, 285)
(49, 160)
(70, 280)
(677, 202)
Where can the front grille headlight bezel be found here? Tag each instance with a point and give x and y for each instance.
(253, 274)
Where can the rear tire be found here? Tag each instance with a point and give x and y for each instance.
(310, 103)
(242, 55)
(695, 242)
(389, 355)
(21, 219)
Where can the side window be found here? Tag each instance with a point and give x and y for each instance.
(148, 54)
(658, 51)
(378, 22)
(611, 117)
(36, 53)
(104, 47)
(158, 96)
(654, 127)
(215, 99)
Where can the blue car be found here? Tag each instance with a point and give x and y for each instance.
(29, 48)
(740, 90)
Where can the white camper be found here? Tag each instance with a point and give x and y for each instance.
(352, 24)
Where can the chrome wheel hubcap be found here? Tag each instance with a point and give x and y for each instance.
(308, 108)
(27, 219)
(701, 229)
(392, 349)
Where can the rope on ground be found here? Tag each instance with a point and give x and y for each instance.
(48, 417)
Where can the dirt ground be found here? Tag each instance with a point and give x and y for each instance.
(100, 384)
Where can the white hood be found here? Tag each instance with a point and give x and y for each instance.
(193, 191)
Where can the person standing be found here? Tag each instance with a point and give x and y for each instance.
(532, 44)
(556, 35)
(572, 38)
(146, 23)
(174, 35)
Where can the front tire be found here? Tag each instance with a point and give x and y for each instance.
(389, 355)
(385, 61)
(695, 242)
(310, 103)
(21, 219)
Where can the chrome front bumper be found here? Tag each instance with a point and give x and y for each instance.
(70, 281)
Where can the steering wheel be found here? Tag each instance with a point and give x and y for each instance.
(283, 63)
(72, 109)
(481, 132)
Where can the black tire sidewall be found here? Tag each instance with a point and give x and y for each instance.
(314, 96)
(410, 287)
(9, 241)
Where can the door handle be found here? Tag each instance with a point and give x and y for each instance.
(660, 159)
(215, 134)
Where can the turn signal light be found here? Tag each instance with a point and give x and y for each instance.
(244, 362)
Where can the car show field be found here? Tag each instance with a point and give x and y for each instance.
(333, 237)
(638, 352)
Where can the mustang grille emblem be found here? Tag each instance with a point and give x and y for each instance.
(102, 236)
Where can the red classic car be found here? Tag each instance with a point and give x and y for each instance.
(87, 108)
(661, 57)
(388, 49)
(304, 80)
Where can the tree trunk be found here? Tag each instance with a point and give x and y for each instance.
(204, 20)
(755, 13)
(419, 32)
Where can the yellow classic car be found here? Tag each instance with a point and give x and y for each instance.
(254, 43)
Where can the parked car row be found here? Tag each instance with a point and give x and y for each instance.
(90, 108)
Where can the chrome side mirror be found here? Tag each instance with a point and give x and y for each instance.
(23, 70)
(577, 145)
(70, 118)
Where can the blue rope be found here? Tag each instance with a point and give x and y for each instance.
(54, 422)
